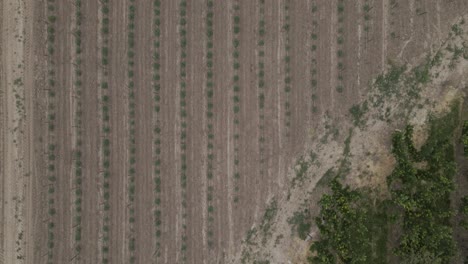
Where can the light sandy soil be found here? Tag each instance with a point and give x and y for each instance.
(404, 33)
(16, 130)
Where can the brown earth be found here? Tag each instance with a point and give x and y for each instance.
(399, 31)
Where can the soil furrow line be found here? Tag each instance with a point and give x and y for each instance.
(35, 66)
(196, 140)
(144, 225)
(118, 92)
(222, 183)
(63, 128)
(169, 114)
(91, 216)
(272, 111)
(247, 127)
(300, 94)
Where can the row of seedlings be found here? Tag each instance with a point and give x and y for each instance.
(366, 8)
(157, 123)
(77, 75)
(183, 121)
(209, 86)
(236, 96)
(287, 65)
(157, 127)
(132, 131)
(261, 32)
(340, 51)
(393, 19)
(314, 65)
(105, 127)
(51, 140)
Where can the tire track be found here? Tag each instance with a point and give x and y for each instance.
(222, 181)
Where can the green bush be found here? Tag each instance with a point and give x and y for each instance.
(52, 19)
(465, 138)
(423, 195)
(388, 83)
(464, 212)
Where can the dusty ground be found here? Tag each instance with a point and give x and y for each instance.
(301, 48)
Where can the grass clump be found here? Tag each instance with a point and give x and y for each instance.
(388, 83)
(300, 223)
(357, 112)
(267, 220)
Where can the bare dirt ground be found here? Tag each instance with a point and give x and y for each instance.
(169, 115)
(92, 194)
(13, 122)
(119, 229)
(145, 231)
(295, 122)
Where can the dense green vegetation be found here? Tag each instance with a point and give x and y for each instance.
(464, 212)
(422, 193)
(352, 228)
(418, 212)
(465, 138)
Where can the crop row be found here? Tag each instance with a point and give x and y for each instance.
(236, 97)
(209, 86)
(340, 52)
(51, 139)
(261, 32)
(313, 50)
(77, 83)
(287, 65)
(105, 127)
(183, 121)
(131, 127)
(157, 124)
(367, 17)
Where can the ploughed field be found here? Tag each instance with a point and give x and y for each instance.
(156, 131)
